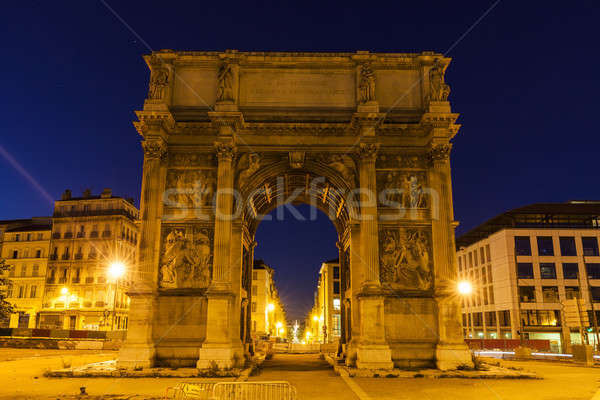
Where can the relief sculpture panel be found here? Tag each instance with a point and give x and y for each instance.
(190, 188)
(186, 257)
(406, 258)
(402, 189)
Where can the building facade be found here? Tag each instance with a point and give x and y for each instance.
(268, 318)
(25, 249)
(324, 322)
(524, 264)
(90, 235)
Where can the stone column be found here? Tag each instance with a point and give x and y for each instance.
(372, 350)
(218, 346)
(138, 349)
(451, 350)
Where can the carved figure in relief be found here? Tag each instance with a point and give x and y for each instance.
(405, 259)
(412, 193)
(439, 89)
(248, 164)
(191, 188)
(158, 84)
(342, 163)
(186, 259)
(366, 85)
(225, 83)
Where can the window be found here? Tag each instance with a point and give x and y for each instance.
(38, 254)
(504, 317)
(40, 236)
(17, 237)
(567, 246)
(525, 270)
(254, 290)
(253, 306)
(593, 270)
(29, 237)
(24, 270)
(336, 304)
(33, 291)
(490, 318)
(477, 319)
(15, 254)
(488, 256)
(522, 246)
(550, 294)
(336, 287)
(547, 271)
(545, 246)
(482, 255)
(595, 291)
(255, 276)
(571, 292)
(590, 246)
(35, 271)
(527, 294)
(570, 270)
(540, 317)
(21, 291)
(336, 272)
(336, 325)
(491, 289)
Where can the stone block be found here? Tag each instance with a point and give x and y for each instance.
(583, 353)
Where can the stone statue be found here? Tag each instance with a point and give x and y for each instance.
(158, 84)
(439, 89)
(225, 84)
(186, 259)
(405, 259)
(366, 84)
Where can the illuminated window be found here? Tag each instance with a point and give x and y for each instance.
(336, 304)
(547, 271)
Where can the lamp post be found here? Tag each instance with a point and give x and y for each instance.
(465, 289)
(116, 270)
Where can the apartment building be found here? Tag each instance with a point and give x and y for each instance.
(92, 255)
(523, 265)
(25, 245)
(324, 320)
(268, 316)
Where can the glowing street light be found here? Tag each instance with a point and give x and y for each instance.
(315, 318)
(465, 288)
(64, 291)
(116, 270)
(271, 307)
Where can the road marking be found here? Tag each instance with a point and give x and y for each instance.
(354, 386)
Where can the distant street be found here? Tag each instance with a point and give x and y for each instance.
(22, 370)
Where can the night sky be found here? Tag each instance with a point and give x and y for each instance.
(524, 77)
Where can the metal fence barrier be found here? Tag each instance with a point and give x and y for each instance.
(273, 390)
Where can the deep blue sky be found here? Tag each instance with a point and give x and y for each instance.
(525, 80)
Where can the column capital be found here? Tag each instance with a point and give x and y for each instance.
(368, 151)
(440, 152)
(154, 147)
(150, 123)
(227, 122)
(225, 151)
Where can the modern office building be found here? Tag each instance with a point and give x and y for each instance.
(324, 320)
(268, 315)
(92, 254)
(25, 245)
(524, 264)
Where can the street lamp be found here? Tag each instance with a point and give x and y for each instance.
(465, 288)
(116, 270)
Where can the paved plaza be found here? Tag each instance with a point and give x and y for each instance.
(22, 378)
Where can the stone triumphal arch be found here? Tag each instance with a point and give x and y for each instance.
(228, 136)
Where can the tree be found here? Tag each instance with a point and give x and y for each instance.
(5, 307)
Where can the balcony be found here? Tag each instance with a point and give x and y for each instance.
(94, 234)
(89, 279)
(51, 280)
(87, 304)
(79, 256)
(56, 235)
(75, 280)
(90, 213)
(65, 256)
(68, 235)
(80, 235)
(106, 234)
(99, 304)
(53, 256)
(62, 280)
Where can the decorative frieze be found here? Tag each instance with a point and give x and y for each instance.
(405, 257)
(186, 257)
(404, 189)
(401, 161)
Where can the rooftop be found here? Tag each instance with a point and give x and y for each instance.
(575, 214)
